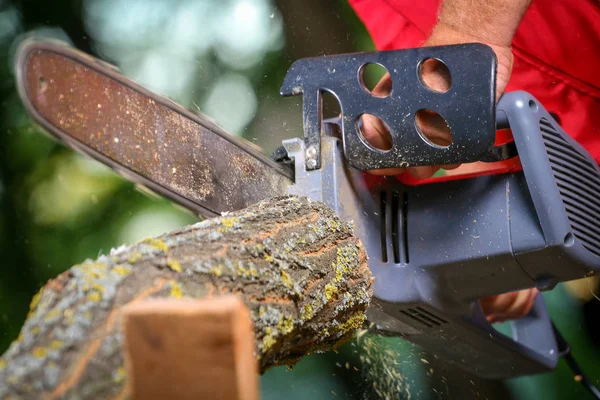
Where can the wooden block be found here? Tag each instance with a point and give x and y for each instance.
(190, 349)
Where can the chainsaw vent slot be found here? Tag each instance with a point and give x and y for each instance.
(425, 317)
(578, 183)
(393, 226)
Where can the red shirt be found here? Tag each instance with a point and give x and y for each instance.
(556, 50)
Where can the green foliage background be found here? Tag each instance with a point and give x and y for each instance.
(58, 208)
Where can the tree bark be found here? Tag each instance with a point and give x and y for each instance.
(298, 268)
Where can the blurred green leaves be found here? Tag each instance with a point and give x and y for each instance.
(197, 52)
(226, 58)
(67, 188)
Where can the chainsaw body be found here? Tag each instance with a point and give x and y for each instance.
(436, 248)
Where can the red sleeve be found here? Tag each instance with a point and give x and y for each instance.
(557, 59)
(390, 28)
(556, 48)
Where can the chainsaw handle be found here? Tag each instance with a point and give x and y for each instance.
(532, 346)
(534, 332)
(473, 344)
(435, 249)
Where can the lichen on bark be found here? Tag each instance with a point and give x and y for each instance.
(297, 266)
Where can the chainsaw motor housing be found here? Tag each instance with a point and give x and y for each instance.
(436, 248)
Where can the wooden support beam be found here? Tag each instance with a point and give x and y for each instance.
(190, 349)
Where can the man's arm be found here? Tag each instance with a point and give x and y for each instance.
(491, 22)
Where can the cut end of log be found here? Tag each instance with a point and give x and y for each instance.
(190, 349)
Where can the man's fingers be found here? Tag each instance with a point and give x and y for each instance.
(384, 86)
(428, 171)
(508, 306)
(434, 127)
(375, 132)
(498, 303)
(387, 171)
(450, 166)
(378, 135)
(423, 172)
(435, 75)
(521, 305)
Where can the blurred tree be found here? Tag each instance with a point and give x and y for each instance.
(226, 58)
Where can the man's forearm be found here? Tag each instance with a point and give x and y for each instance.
(490, 21)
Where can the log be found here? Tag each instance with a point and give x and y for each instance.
(298, 268)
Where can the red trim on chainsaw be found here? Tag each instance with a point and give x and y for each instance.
(481, 169)
(465, 171)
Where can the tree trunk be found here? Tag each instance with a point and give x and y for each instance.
(298, 267)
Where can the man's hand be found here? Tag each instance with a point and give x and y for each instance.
(507, 306)
(435, 76)
(491, 22)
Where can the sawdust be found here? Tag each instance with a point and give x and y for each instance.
(381, 368)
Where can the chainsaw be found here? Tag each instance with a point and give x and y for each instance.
(435, 247)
